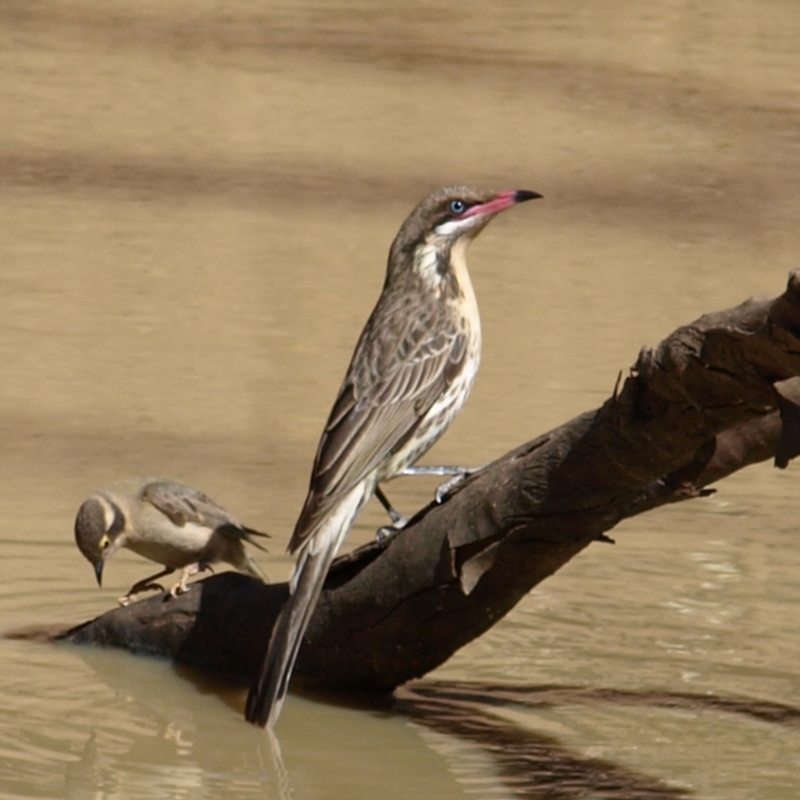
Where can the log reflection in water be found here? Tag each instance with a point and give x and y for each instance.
(537, 766)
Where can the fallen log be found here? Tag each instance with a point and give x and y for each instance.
(713, 397)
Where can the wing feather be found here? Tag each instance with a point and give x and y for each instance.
(387, 392)
(184, 505)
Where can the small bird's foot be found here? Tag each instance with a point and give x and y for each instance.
(145, 584)
(178, 588)
(193, 569)
(137, 589)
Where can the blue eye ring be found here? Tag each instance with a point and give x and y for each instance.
(458, 207)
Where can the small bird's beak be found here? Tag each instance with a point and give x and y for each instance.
(98, 571)
(501, 202)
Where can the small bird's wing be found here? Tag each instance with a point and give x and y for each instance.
(393, 381)
(183, 504)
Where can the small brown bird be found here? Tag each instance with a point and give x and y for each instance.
(166, 522)
(411, 373)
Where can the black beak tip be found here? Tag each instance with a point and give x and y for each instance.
(98, 571)
(522, 195)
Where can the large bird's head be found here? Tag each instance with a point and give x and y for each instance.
(448, 217)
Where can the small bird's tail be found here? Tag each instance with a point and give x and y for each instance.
(250, 566)
(249, 533)
(265, 700)
(227, 546)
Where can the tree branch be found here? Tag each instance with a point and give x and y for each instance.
(713, 397)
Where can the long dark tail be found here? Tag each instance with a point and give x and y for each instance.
(265, 700)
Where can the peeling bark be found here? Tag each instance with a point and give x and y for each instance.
(713, 397)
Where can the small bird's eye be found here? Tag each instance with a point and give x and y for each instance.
(458, 206)
(105, 542)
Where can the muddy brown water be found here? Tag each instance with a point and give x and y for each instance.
(196, 201)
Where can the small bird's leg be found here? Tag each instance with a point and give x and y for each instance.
(187, 572)
(459, 474)
(145, 584)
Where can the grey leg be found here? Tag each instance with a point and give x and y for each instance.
(398, 520)
(439, 470)
(458, 475)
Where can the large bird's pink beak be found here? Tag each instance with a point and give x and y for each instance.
(501, 202)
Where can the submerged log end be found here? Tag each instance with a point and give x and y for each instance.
(221, 624)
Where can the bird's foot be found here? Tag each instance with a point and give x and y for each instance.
(443, 491)
(460, 474)
(146, 583)
(138, 588)
(192, 569)
(398, 520)
(387, 532)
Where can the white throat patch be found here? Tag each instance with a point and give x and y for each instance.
(426, 262)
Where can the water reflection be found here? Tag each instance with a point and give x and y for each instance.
(171, 753)
(484, 733)
(535, 766)
(528, 764)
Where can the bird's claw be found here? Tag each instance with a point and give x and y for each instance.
(387, 532)
(398, 520)
(459, 474)
(192, 569)
(444, 490)
(137, 589)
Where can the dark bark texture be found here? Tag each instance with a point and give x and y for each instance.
(713, 397)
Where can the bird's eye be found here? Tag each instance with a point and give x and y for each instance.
(458, 206)
(105, 542)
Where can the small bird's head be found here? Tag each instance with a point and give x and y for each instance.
(451, 215)
(98, 531)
